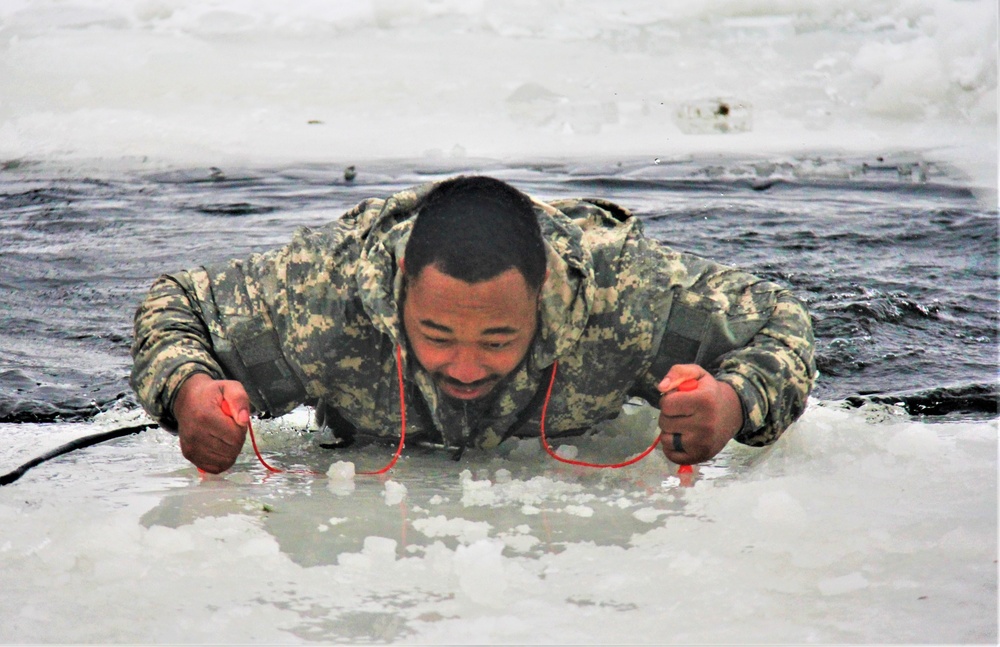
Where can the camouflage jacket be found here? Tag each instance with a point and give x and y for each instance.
(318, 322)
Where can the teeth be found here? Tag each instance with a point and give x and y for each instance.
(465, 390)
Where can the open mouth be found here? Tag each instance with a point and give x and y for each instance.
(471, 391)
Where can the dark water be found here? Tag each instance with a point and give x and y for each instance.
(896, 260)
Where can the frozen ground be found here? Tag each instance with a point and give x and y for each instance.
(860, 526)
(217, 82)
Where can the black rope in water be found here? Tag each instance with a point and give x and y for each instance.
(79, 443)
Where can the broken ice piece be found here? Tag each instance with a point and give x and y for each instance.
(341, 471)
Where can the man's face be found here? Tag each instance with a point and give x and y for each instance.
(469, 336)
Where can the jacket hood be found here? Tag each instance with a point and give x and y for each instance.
(384, 226)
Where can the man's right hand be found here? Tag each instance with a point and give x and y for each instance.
(209, 438)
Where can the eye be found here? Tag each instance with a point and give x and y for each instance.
(496, 345)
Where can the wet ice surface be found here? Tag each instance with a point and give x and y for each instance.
(858, 526)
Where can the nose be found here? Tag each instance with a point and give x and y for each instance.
(466, 366)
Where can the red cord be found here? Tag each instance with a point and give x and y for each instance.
(402, 411)
(548, 448)
(685, 386)
(263, 462)
(253, 440)
(402, 433)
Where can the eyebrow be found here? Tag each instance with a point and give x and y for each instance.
(499, 330)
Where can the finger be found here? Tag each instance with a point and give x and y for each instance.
(221, 434)
(674, 449)
(210, 459)
(687, 385)
(684, 386)
(235, 403)
(227, 441)
(231, 435)
(683, 399)
(678, 445)
(218, 445)
(674, 409)
(679, 386)
(678, 374)
(214, 465)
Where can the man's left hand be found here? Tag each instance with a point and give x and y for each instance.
(697, 423)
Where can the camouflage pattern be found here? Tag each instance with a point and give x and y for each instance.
(318, 322)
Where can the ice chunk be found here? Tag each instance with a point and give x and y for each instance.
(341, 478)
(464, 529)
(475, 493)
(394, 492)
(569, 452)
(481, 573)
(579, 510)
(520, 543)
(376, 552)
(648, 515)
(380, 549)
(341, 470)
(524, 449)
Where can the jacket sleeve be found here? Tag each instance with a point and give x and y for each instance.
(248, 320)
(171, 343)
(751, 333)
(269, 320)
(774, 373)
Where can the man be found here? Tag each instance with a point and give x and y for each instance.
(492, 305)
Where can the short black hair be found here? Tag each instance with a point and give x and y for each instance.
(474, 228)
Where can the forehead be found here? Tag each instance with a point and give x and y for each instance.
(436, 300)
